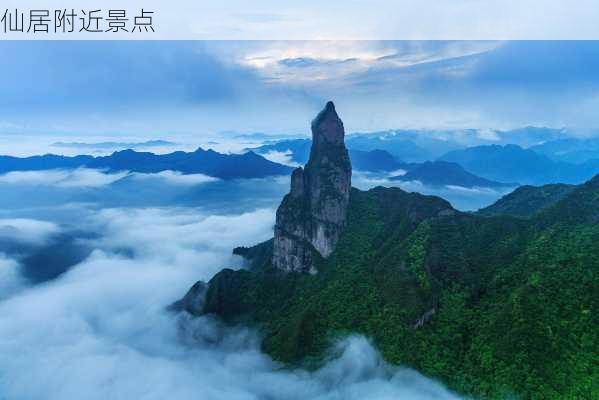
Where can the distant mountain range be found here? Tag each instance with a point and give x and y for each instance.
(434, 173)
(418, 145)
(549, 159)
(442, 173)
(114, 145)
(571, 150)
(375, 161)
(299, 151)
(208, 162)
(407, 146)
(513, 163)
(400, 148)
(568, 160)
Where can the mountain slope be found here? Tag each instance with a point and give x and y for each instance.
(440, 173)
(208, 162)
(527, 200)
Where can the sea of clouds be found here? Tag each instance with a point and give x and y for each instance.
(97, 327)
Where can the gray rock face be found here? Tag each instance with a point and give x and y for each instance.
(312, 216)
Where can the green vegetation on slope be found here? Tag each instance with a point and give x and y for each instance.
(492, 306)
(527, 200)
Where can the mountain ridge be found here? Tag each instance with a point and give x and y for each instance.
(442, 173)
(527, 200)
(208, 162)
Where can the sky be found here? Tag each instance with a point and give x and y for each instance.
(196, 89)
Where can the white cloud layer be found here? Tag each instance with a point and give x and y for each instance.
(101, 331)
(80, 177)
(182, 237)
(461, 198)
(10, 279)
(93, 178)
(281, 157)
(26, 230)
(177, 178)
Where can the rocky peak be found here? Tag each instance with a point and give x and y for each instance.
(312, 216)
(327, 128)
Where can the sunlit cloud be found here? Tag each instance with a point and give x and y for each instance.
(332, 62)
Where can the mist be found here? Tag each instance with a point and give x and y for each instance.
(461, 198)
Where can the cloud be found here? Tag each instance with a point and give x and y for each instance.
(201, 88)
(325, 66)
(176, 177)
(80, 177)
(114, 145)
(11, 280)
(281, 157)
(305, 62)
(145, 87)
(181, 236)
(28, 231)
(474, 189)
(461, 198)
(90, 178)
(103, 332)
(100, 330)
(138, 73)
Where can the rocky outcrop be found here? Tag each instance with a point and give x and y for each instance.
(312, 216)
(193, 301)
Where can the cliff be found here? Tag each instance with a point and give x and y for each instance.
(312, 216)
